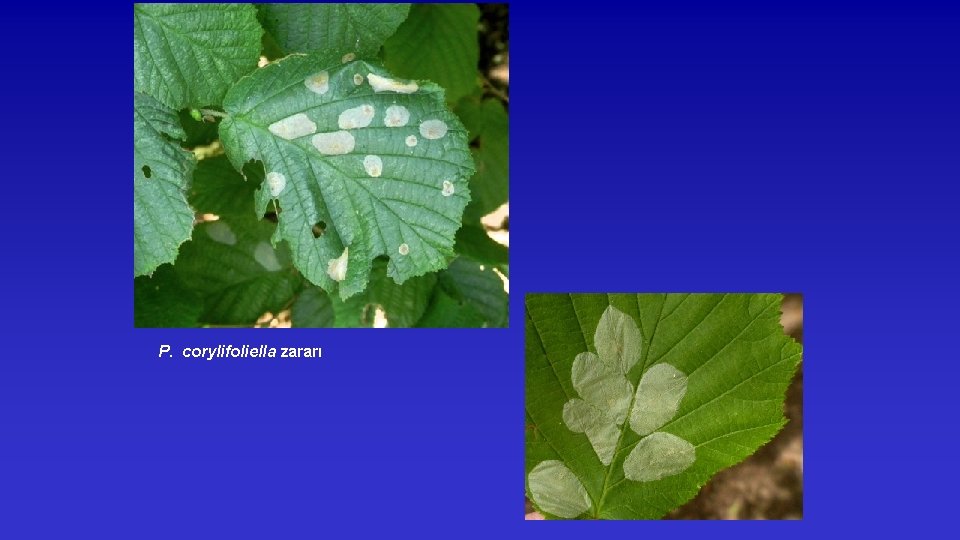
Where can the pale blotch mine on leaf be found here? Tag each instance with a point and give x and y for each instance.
(292, 127)
(602, 406)
(335, 143)
(337, 268)
(403, 249)
(658, 397)
(448, 188)
(383, 84)
(276, 182)
(657, 456)
(618, 339)
(556, 490)
(356, 117)
(411, 141)
(373, 165)
(358, 79)
(396, 116)
(433, 129)
(267, 257)
(349, 57)
(318, 83)
(221, 232)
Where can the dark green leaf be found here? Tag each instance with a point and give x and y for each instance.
(312, 309)
(335, 28)
(219, 189)
(402, 305)
(447, 312)
(489, 128)
(437, 42)
(480, 287)
(474, 242)
(163, 301)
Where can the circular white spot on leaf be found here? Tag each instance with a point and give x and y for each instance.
(318, 83)
(358, 79)
(293, 126)
(356, 117)
(349, 57)
(276, 182)
(221, 232)
(396, 116)
(335, 143)
(448, 188)
(373, 165)
(433, 129)
(403, 249)
(266, 256)
(411, 141)
(557, 491)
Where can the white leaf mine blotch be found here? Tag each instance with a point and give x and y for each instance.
(396, 116)
(384, 84)
(221, 232)
(433, 129)
(603, 405)
(337, 268)
(657, 456)
(334, 143)
(349, 57)
(318, 83)
(403, 249)
(373, 165)
(293, 126)
(356, 117)
(358, 79)
(618, 339)
(266, 256)
(411, 141)
(658, 397)
(276, 182)
(556, 490)
(448, 188)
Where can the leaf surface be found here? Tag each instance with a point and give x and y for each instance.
(187, 55)
(489, 128)
(163, 301)
(437, 42)
(707, 389)
(162, 219)
(361, 164)
(341, 28)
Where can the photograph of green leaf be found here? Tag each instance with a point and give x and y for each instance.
(321, 165)
(678, 406)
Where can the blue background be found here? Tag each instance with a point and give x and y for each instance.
(785, 147)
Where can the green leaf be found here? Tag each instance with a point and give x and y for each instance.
(187, 55)
(474, 242)
(198, 133)
(219, 189)
(489, 128)
(312, 309)
(162, 220)
(232, 263)
(402, 305)
(445, 311)
(437, 42)
(351, 185)
(339, 28)
(643, 398)
(478, 286)
(163, 301)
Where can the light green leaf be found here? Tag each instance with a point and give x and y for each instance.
(402, 305)
(232, 263)
(338, 28)
(381, 164)
(705, 375)
(163, 301)
(437, 42)
(162, 220)
(187, 55)
(489, 128)
(480, 287)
